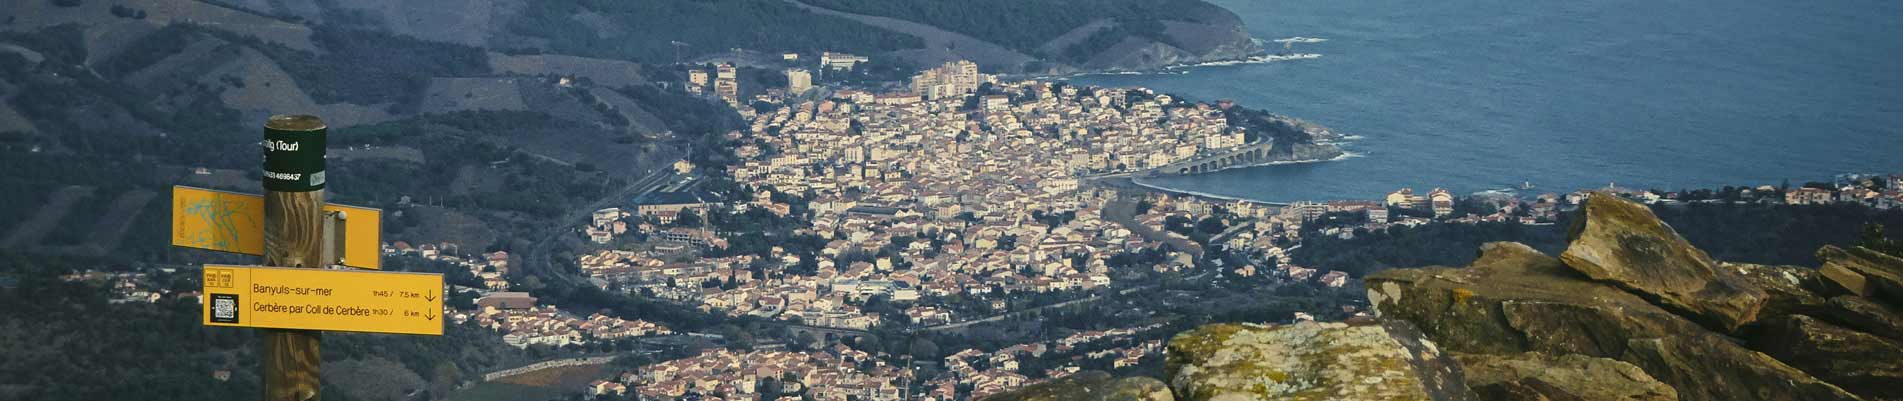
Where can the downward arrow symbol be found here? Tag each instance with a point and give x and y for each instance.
(429, 297)
(429, 315)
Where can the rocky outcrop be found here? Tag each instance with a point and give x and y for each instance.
(1537, 376)
(1863, 315)
(1629, 289)
(1864, 272)
(1629, 312)
(1709, 367)
(1090, 386)
(1622, 242)
(1310, 361)
(1514, 299)
(1862, 363)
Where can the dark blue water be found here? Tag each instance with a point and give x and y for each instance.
(1478, 95)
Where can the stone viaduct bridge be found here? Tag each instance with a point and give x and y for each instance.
(1241, 156)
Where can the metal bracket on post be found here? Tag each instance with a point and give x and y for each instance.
(335, 223)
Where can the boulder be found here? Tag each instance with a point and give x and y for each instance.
(1849, 280)
(1514, 299)
(1710, 367)
(1542, 377)
(1861, 363)
(1242, 362)
(1622, 242)
(1788, 290)
(1793, 290)
(1876, 274)
(1089, 386)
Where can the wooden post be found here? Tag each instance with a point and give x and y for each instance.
(293, 237)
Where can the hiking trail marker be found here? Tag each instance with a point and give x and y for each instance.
(292, 228)
(320, 299)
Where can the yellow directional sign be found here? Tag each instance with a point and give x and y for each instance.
(363, 236)
(319, 299)
(234, 222)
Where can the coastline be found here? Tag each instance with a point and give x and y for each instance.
(1132, 181)
(1182, 68)
(1256, 56)
(1124, 182)
(1258, 59)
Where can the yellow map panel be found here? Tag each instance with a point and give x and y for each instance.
(217, 220)
(234, 222)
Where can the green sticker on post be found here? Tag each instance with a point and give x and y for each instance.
(294, 153)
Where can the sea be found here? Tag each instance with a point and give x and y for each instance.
(1485, 95)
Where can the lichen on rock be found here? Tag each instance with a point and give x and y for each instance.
(1090, 386)
(1308, 361)
(1538, 376)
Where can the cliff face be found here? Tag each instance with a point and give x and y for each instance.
(1630, 311)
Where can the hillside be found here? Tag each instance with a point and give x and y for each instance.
(110, 104)
(1088, 35)
(1005, 36)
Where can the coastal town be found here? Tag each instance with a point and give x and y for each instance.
(959, 201)
(962, 199)
(974, 200)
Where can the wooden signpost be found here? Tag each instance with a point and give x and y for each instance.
(299, 236)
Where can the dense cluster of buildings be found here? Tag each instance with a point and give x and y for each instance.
(838, 373)
(129, 287)
(954, 79)
(492, 268)
(923, 196)
(1877, 192)
(548, 326)
(986, 373)
(515, 314)
(725, 82)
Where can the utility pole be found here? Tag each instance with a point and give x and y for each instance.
(293, 233)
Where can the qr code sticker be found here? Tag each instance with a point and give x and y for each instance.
(224, 308)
